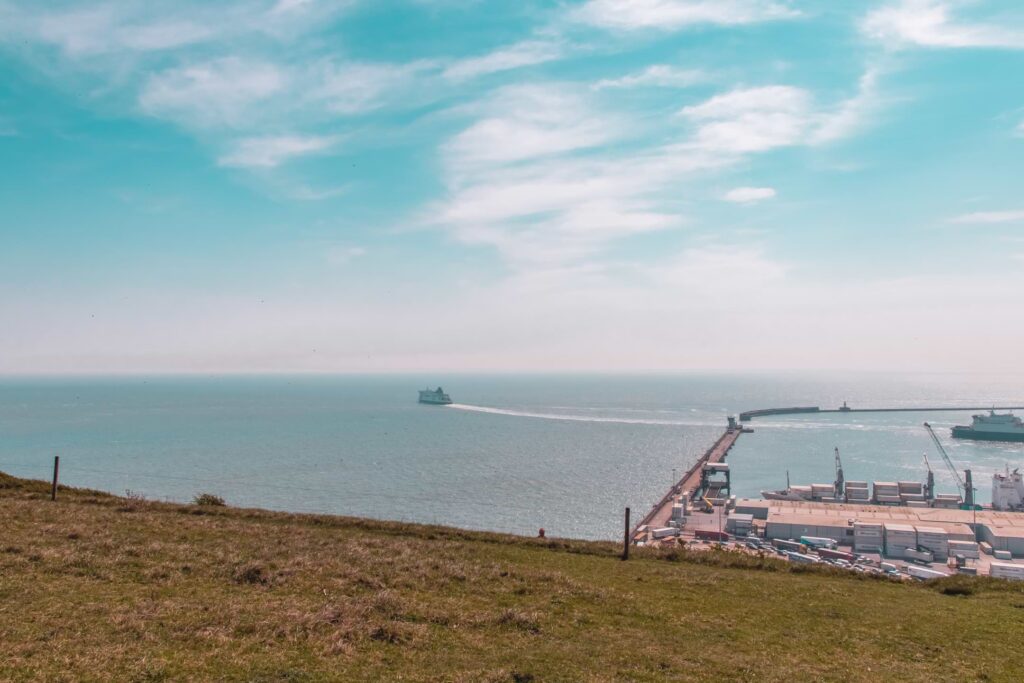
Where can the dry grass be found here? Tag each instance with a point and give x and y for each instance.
(97, 587)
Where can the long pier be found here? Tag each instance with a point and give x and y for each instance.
(662, 510)
(799, 410)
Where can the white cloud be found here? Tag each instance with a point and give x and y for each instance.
(527, 121)
(929, 23)
(989, 217)
(219, 92)
(541, 178)
(526, 53)
(1019, 130)
(744, 195)
(675, 14)
(851, 114)
(356, 88)
(752, 119)
(103, 29)
(657, 75)
(270, 151)
(130, 28)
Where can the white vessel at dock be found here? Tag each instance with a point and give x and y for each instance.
(992, 427)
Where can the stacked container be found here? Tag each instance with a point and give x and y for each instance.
(887, 492)
(857, 492)
(935, 540)
(946, 500)
(739, 524)
(819, 491)
(677, 512)
(898, 538)
(802, 491)
(965, 548)
(1005, 570)
(868, 537)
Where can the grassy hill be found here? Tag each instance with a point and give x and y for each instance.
(98, 587)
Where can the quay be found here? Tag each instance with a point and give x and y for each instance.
(661, 513)
(799, 410)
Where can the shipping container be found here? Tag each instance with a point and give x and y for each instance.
(924, 572)
(798, 557)
(1003, 570)
(836, 554)
(920, 555)
(1002, 554)
(788, 545)
(818, 542)
(709, 535)
(666, 532)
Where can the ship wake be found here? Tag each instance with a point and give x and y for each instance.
(574, 418)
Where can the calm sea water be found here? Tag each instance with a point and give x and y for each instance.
(566, 453)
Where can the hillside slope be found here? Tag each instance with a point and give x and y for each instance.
(97, 587)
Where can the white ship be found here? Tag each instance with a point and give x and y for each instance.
(992, 427)
(435, 397)
(1008, 490)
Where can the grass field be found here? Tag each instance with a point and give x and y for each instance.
(98, 587)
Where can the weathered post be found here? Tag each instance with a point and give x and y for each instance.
(56, 469)
(625, 538)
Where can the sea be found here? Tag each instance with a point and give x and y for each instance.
(515, 453)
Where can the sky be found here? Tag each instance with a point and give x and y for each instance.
(464, 185)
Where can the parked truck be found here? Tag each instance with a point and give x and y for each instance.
(817, 542)
(918, 555)
(924, 573)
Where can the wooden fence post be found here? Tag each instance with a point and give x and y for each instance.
(625, 538)
(56, 469)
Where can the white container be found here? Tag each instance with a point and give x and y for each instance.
(665, 532)
(1002, 554)
(924, 572)
(867, 547)
(1003, 570)
(923, 555)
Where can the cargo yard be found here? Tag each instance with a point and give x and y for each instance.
(901, 529)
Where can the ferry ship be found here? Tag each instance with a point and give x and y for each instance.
(992, 427)
(435, 398)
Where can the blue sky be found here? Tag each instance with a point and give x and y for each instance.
(446, 185)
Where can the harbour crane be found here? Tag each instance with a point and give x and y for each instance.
(929, 489)
(966, 490)
(840, 481)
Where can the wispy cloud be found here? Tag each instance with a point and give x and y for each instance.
(221, 92)
(541, 178)
(930, 23)
(134, 27)
(675, 14)
(270, 151)
(525, 121)
(752, 119)
(746, 195)
(359, 87)
(988, 217)
(852, 114)
(526, 53)
(658, 76)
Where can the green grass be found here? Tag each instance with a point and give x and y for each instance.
(97, 587)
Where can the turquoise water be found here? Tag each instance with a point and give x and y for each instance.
(516, 453)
